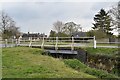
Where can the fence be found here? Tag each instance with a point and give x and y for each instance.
(58, 42)
(53, 42)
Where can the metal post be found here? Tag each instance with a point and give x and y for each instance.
(94, 42)
(56, 46)
(42, 46)
(72, 46)
(6, 42)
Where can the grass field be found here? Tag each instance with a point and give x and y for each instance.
(101, 44)
(23, 62)
(102, 51)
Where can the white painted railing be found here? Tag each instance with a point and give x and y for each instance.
(71, 40)
(56, 40)
(59, 42)
(94, 42)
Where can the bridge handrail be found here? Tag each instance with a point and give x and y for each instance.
(56, 39)
(61, 37)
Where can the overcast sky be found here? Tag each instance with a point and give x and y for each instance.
(39, 16)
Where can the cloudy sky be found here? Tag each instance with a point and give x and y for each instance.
(39, 16)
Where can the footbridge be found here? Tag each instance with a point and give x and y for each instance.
(58, 42)
(59, 46)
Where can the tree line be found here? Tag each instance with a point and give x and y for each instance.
(104, 23)
(64, 29)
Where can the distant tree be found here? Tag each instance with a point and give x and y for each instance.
(97, 33)
(71, 27)
(90, 33)
(52, 33)
(7, 26)
(58, 26)
(115, 15)
(103, 22)
(62, 34)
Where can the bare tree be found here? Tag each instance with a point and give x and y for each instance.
(4, 21)
(115, 15)
(66, 29)
(71, 27)
(7, 26)
(14, 29)
(58, 26)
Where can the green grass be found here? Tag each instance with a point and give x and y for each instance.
(103, 51)
(24, 62)
(77, 65)
(106, 44)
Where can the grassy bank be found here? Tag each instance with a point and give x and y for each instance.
(23, 62)
(77, 65)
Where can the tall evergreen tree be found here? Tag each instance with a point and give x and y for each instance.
(103, 22)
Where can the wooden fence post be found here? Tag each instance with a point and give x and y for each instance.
(30, 42)
(56, 45)
(29, 38)
(94, 42)
(12, 42)
(16, 42)
(42, 46)
(6, 42)
(72, 46)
